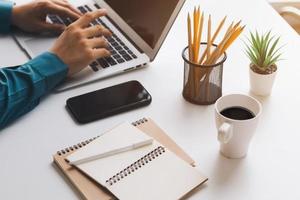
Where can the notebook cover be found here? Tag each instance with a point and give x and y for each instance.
(91, 190)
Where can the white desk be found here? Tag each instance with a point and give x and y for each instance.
(271, 169)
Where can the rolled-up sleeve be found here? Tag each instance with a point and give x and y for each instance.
(5, 16)
(21, 87)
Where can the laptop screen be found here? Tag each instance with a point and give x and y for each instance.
(147, 18)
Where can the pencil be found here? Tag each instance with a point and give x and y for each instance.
(232, 38)
(208, 37)
(231, 35)
(221, 44)
(218, 29)
(214, 37)
(229, 29)
(195, 34)
(190, 39)
(199, 35)
(195, 29)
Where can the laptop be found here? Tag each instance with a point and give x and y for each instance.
(139, 28)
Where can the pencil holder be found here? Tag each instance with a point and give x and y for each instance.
(202, 84)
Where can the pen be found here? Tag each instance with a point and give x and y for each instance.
(112, 152)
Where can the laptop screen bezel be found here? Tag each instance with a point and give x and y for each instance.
(134, 36)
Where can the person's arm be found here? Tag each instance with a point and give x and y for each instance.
(21, 87)
(5, 16)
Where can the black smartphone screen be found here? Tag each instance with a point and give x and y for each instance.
(108, 101)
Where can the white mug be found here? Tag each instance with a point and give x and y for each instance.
(235, 135)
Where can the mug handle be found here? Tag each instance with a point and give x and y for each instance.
(225, 133)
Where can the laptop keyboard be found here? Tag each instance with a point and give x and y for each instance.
(120, 53)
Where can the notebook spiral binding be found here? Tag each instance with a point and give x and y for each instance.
(76, 146)
(136, 165)
(81, 144)
(138, 122)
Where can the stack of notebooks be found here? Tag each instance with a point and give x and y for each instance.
(158, 170)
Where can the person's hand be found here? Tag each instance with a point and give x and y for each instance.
(31, 17)
(79, 44)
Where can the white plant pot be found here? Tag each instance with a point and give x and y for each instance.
(261, 84)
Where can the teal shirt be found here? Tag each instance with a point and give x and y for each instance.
(5, 16)
(21, 87)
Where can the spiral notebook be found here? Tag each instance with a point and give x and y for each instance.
(90, 189)
(133, 173)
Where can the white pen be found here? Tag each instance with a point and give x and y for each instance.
(112, 152)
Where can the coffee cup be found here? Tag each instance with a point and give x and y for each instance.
(236, 116)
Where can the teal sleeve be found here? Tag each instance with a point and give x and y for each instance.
(21, 87)
(5, 16)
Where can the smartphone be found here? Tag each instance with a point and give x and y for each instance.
(108, 101)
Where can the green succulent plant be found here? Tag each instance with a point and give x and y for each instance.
(263, 52)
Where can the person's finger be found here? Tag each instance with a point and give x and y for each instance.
(100, 53)
(67, 5)
(54, 28)
(95, 31)
(87, 18)
(65, 1)
(61, 11)
(97, 43)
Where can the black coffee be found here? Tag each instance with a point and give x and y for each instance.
(237, 113)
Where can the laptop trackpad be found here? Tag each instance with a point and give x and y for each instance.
(36, 46)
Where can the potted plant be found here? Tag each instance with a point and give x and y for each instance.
(263, 52)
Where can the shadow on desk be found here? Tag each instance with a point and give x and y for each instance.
(229, 174)
(71, 115)
(264, 100)
(226, 169)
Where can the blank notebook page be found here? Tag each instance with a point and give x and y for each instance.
(166, 177)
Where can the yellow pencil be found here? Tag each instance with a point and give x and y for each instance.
(226, 43)
(214, 37)
(229, 29)
(237, 24)
(208, 38)
(190, 39)
(199, 35)
(195, 34)
(232, 38)
(218, 29)
(195, 29)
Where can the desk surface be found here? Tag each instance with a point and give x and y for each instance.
(271, 169)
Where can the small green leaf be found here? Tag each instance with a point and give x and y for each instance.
(265, 46)
(274, 46)
(253, 42)
(274, 60)
(251, 56)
